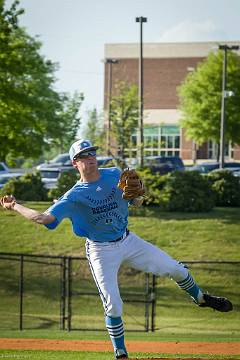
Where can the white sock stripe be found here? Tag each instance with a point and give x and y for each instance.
(114, 326)
(189, 282)
(182, 282)
(115, 332)
(186, 284)
(189, 286)
(117, 336)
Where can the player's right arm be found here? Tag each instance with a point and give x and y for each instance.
(9, 203)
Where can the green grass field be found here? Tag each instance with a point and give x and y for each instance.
(208, 236)
(71, 355)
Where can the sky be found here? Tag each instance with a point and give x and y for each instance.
(73, 32)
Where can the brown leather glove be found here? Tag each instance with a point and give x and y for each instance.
(131, 184)
(8, 202)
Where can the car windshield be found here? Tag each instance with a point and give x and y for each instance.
(62, 158)
(163, 160)
(49, 174)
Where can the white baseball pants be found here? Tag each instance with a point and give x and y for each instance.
(106, 258)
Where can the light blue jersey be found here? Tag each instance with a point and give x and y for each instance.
(96, 210)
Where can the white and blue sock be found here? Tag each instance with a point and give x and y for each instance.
(191, 288)
(116, 332)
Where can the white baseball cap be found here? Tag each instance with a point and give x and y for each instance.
(79, 147)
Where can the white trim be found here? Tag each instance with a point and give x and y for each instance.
(164, 50)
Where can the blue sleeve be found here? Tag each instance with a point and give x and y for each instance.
(60, 210)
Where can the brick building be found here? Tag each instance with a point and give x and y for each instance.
(165, 67)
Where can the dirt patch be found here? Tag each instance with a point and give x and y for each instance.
(177, 348)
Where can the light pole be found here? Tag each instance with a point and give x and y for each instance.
(110, 62)
(225, 94)
(140, 140)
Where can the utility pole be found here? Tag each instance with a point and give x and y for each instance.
(110, 62)
(140, 139)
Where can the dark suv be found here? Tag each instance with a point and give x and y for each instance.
(164, 164)
(207, 167)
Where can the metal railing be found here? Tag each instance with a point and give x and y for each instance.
(64, 267)
(72, 274)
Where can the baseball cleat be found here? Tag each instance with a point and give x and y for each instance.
(217, 303)
(121, 354)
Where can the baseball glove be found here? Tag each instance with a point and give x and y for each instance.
(131, 184)
(8, 202)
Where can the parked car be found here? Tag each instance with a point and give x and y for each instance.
(50, 175)
(104, 160)
(63, 160)
(3, 168)
(164, 164)
(205, 168)
(59, 161)
(4, 178)
(236, 172)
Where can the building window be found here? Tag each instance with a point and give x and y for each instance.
(159, 140)
(213, 150)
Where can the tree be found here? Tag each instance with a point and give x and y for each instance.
(93, 130)
(70, 120)
(200, 100)
(124, 115)
(33, 116)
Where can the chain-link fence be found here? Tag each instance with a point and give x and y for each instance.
(39, 291)
(58, 292)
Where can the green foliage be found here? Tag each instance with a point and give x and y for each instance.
(27, 187)
(124, 115)
(226, 187)
(200, 99)
(185, 191)
(33, 115)
(154, 183)
(69, 120)
(66, 180)
(94, 129)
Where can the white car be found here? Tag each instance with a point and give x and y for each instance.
(3, 168)
(59, 161)
(4, 178)
(50, 175)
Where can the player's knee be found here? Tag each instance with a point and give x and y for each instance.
(178, 271)
(114, 309)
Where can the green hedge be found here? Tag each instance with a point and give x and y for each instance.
(226, 187)
(65, 182)
(186, 191)
(28, 187)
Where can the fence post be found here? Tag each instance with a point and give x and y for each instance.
(147, 302)
(69, 293)
(63, 294)
(153, 298)
(21, 293)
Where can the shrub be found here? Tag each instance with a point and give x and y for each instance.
(66, 180)
(186, 191)
(226, 187)
(153, 183)
(28, 187)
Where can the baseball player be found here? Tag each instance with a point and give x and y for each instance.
(97, 205)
